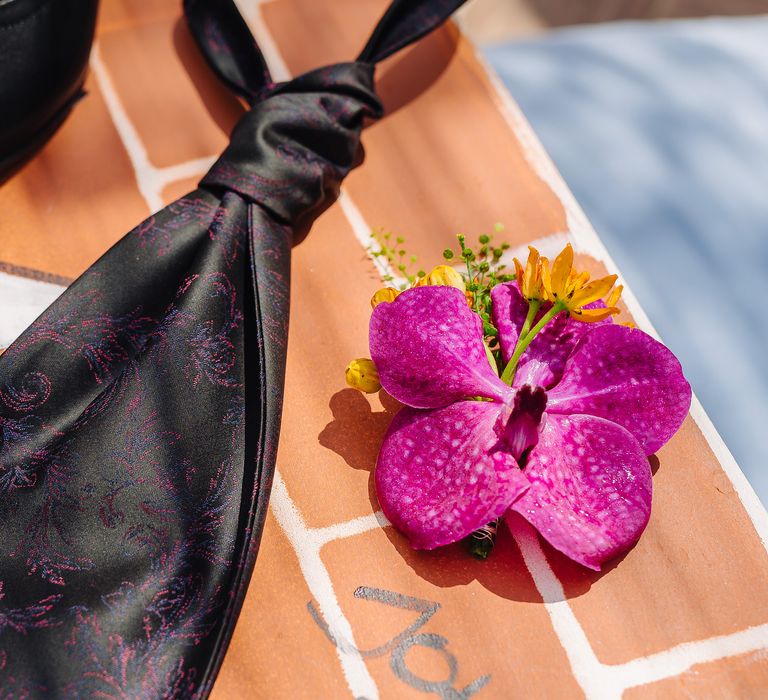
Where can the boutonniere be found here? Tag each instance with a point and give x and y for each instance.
(521, 395)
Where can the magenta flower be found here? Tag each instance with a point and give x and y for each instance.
(565, 447)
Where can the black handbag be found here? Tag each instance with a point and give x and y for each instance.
(44, 47)
(139, 415)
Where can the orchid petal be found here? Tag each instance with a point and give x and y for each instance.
(442, 474)
(626, 376)
(590, 493)
(543, 362)
(428, 349)
(509, 311)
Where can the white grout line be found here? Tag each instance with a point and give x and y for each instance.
(307, 546)
(672, 662)
(609, 681)
(363, 233)
(351, 528)
(251, 13)
(587, 670)
(150, 180)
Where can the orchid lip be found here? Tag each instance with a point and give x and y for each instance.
(521, 430)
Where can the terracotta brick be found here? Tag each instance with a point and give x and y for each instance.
(330, 433)
(178, 188)
(172, 98)
(744, 677)
(122, 14)
(489, 613)
(74, 199)
(443, 160)
(276, 650)
(338, 29)
(698, 571)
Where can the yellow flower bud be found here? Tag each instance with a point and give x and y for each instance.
(443, 276)
(529, 279)
(387, 294)
(362, 375)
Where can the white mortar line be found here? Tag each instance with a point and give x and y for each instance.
(608, 681)
(587, 670)
(679, 659)
(350, 528)
(189, 168)
(251, 13)
(307, 548)
(364, 235)
(150, 180)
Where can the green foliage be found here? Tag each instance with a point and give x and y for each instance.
(483, 272)
(397, 257)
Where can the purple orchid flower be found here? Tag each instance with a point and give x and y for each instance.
(565, 446)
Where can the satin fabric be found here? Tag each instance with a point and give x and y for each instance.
(139, 415)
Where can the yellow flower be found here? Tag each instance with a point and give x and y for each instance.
(614, 296)
(529, 279)
(362, 375)
(573, 290)
(442, 276)
(384, 295)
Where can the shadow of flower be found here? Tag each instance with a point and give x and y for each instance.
(356, 433)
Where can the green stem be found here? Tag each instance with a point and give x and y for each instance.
(524, 341)
(533, 308)
(470, 280)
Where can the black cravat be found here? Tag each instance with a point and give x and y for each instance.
(139, 415)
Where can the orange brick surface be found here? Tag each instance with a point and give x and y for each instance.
(526, 623)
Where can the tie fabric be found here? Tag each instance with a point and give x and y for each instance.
(139, 415)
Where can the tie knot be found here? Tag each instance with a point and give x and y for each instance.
(291, 151)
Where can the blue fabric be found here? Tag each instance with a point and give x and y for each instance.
(661, 131)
